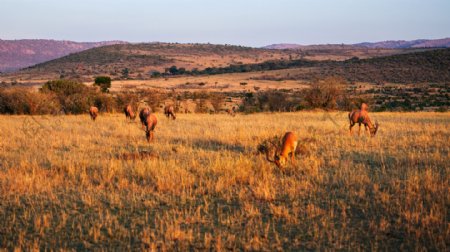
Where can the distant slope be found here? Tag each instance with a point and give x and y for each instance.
(391, 44)
(417, 67)
(142, 59)
(311, 47)
(16, 54)
(420, 43)
(431, 66)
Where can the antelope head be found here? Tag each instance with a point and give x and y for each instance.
(280, 161)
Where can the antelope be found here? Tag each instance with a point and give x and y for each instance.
(149, 122)
(288, 146)
(145, 112)
(169, 111)
(93, 111)
(129, 113)
(362, 117)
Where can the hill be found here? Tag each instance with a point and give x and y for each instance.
(419, 43)
(17, 54)
(414, 67)
(391, 44)
(140, 61)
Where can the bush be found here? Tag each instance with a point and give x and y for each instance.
(64, 87)
(25, 101)
(76, 98)
(325, 93)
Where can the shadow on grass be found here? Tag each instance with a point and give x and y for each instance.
(215, 145)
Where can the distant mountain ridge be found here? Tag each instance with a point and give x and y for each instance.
(17, 54)
(390, 44)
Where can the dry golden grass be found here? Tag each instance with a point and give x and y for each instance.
(68, 182)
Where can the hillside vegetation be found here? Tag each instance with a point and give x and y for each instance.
(73, 184)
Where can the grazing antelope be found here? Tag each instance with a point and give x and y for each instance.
(149, 122)
(145, 112)
(129, 113)
(362, 117)
(169, 111)
(288, 146)
(93, 111)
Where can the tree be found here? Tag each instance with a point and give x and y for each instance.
(104, 82)
(125, 73)
(155, 74)
(173, 70)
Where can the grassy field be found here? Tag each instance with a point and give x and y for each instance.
(68, 182)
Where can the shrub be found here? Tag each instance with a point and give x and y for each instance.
(25, 101)
(325, 93)
(63, 87)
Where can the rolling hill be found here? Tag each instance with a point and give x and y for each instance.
(139, 61)
(416, 67)
(17, 54)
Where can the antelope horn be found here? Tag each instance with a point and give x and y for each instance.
(267, 157)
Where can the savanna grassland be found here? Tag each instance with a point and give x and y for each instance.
(69, 183)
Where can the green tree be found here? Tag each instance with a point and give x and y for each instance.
(173, 70)
(104, 82)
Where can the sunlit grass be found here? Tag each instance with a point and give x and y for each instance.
(68, 182)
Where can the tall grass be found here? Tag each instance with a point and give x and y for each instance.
(68, 182)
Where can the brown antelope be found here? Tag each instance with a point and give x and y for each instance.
(150, 124)
(129, 113)
(362, 117)
(288, 146)
(169, 111)
(145, 112)
(93, 111)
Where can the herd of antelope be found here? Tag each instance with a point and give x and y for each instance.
(289, 141)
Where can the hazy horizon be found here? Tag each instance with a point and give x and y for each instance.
(249, 23)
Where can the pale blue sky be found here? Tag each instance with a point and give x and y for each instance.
(243, 22)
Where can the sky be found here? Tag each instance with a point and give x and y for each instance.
(240, 22)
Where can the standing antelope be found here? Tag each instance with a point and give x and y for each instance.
(362, 117)
(93, 111)
(289, 145)
(169, 111)
(148, 120)
(129, 113)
